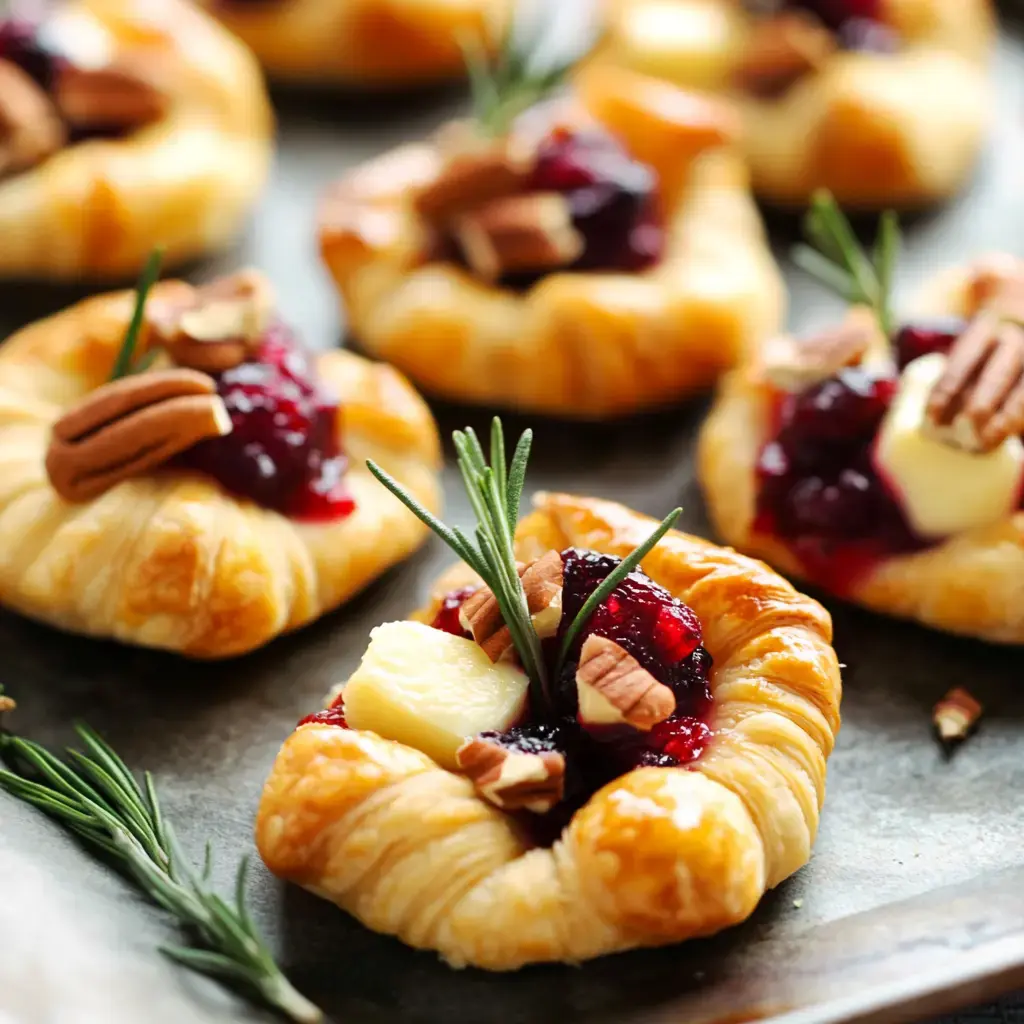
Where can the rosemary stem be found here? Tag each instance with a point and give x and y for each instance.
(279, 992)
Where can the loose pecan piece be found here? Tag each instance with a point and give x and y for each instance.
(792, 364)
(956, 715)
(615, 689)
(528, 233)
(130, 426)
(782, 50)
(219, 327)
(978, 401)
(513, 779)
(30, 128)
(481, 617)
(129, 93)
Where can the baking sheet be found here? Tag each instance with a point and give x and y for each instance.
(912, 904)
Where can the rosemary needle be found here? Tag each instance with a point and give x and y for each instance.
(93, 794)
(126, 364)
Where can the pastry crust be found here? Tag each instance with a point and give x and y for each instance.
(376, 43)
(96, 209)
(576, 344)
(972, 583)
(878, 130)
(169, 559)
(657, 856)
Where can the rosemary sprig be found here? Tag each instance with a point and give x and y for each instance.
(613, 579)
(495, 495)
(835, 256)
(94, 795)
(523, 72)
(126, 364)
(494, 492)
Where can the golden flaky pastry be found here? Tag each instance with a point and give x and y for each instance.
(168, 559)
(878, 129)
(376, 43)
(575, 343)
(656, 856)
(95, 209)
(970, 583)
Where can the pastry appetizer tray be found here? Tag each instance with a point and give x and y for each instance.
(913, 904)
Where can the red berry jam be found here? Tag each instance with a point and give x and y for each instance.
(924, 337)
(613, 198)
(818, 489)
(284, 451)
(334, 715)
(836, 13)
(447, 618)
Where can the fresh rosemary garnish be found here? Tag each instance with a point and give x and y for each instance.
(837, 259)
(126, 363)
(495, 495)
(524, 71)
(95, 795)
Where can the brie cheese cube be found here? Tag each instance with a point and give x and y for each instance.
(943, 489)
(432, 690)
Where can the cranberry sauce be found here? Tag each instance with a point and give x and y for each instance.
(447, 618)
(613, 198)
(817, 486)
(334, 715)
(836, 13)
(283, 451)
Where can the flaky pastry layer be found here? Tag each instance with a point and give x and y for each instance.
(169, 559)
(96, 209)
(657, 856)
(376, 43)
(972, 583)
(877, 129)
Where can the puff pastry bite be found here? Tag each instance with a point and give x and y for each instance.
(124, 125)
(587, 258)
(376, 43)
(883, 102)
(214, 495)
(887, 465)
(612, 761)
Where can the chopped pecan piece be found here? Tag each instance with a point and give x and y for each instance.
(782, 50)
(6, 704)
(475, 171)
(989, 276)
(519, 234)
(792, 364)
(30, 128)
(956, 715)
(219, 326)
(978, 401)
(129, 93)
(130, 426)
(513, 779)
(615, 689)
(481, 617)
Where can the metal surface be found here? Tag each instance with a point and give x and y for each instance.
(913, 903)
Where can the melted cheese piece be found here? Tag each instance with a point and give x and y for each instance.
(944, 490)
(431, 690)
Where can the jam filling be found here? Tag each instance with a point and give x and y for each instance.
(284, 451)
(818, 489)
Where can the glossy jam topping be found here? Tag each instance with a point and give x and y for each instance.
(334, 715)
(836, 13)
(923, 337)
(447, 618)
(284, 450)
(613, 198)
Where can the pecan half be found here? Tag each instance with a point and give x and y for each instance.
(219, 327)
(481, 617)
(978, 401)
(782, 50)
(956, 715)
(475, 171)
(130, 426)
(30, 128)
(615, 689)
(512, 779)
(129, 93)
(793, 364)
(519, 234)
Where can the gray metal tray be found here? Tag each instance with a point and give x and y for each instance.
(912, 905)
